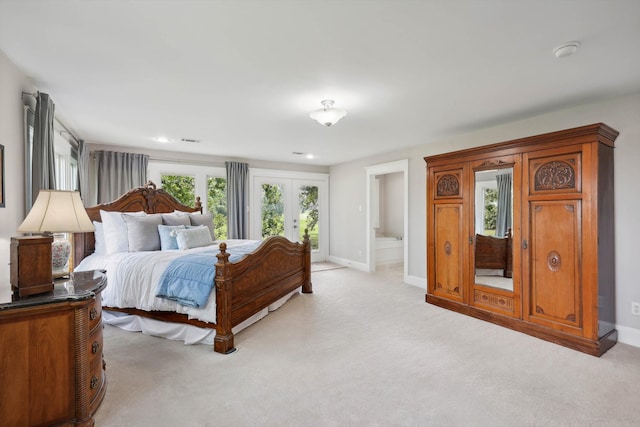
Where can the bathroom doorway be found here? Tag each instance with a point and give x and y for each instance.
(387, 215)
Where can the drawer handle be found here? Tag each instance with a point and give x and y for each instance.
(95, 347)
(93, 314)
(94, 382)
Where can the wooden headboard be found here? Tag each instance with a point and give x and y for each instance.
(147, 198)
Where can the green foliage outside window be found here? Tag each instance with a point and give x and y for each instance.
(272, 210)
(217, 203)
(490, 211)
(308, 198)
(183, 188)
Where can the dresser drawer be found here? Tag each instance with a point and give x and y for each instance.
(95, 313)
(94, 346)
(96, 380)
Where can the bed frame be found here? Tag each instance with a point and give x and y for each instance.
(242, 288)
(495, 253)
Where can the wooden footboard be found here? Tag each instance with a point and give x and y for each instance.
(243, 288)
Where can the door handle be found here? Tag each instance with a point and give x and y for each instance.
(524, 244)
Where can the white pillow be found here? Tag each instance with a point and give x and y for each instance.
(115, 231)
(194, 237)
(176, 218)
(142, 232)
(203, 219)
(100, 246)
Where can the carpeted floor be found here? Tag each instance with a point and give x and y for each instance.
(366, 350)
(323, 266)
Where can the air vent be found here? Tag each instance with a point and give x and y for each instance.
(191, 140)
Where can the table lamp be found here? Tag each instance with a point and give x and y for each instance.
(54, 211)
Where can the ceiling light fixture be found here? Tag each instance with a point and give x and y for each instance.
(566, 49)
(328, 115)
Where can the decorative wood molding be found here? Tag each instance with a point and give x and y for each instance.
(555, 175)
(448, 185)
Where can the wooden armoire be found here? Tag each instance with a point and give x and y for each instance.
(556, 191)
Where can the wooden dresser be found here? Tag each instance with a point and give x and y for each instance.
(52, 370)
(558, 193)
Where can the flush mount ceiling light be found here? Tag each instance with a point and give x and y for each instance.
(328, 115)
(566, 49)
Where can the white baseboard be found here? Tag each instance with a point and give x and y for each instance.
(419, 282)
(348, 263)
(627, 335)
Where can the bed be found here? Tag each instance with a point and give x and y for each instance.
(270, 272)
(494, 253)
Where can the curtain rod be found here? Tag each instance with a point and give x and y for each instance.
(29, 94)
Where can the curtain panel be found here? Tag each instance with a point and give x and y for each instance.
(83, 170)
(237, 200)
(118, 173)
(43, 170)
(503, 220)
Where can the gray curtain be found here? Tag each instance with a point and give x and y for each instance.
(503, 220)
(43, 171)
(83, 170)
(118, 173)
(237, 200)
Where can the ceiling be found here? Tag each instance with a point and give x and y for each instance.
(242, 76)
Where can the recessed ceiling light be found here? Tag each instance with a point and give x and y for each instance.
(307, 155)
(162, 139)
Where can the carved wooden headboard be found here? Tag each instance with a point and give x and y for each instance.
(147, 198)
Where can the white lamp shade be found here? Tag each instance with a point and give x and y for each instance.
(57, 212)
(328, 115)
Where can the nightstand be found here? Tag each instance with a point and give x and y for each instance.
(51, 358)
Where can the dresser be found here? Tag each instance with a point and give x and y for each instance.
(52, 369)
(548, 200)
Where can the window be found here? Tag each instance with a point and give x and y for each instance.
(186, 182)
(182, 187)
(217, 203)
(66, 163)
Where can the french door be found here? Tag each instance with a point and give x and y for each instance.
(283, 206)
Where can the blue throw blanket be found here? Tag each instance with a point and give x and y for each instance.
(189, 279)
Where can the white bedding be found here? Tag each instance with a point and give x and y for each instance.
(133, 277)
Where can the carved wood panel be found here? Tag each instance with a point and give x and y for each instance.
(493, 300)
(448, 184)
(555, 262)
(555, 174)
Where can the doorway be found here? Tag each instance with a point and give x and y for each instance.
(375, 175)
(287, 204)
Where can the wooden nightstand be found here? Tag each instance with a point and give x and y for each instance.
(30, 265)
(51, 359)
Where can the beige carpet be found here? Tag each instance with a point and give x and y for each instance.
(366, 350)
(323, 266)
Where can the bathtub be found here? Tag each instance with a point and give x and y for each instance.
(389, 250)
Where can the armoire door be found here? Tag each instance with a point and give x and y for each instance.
(554, 230)
(554, 289)
(448, 274)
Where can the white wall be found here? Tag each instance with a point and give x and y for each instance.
(393, 203)
(348, 227)
(12, 83)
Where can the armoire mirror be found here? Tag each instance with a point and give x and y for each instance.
(493, 219)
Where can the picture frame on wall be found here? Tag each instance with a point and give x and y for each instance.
(2, 197)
